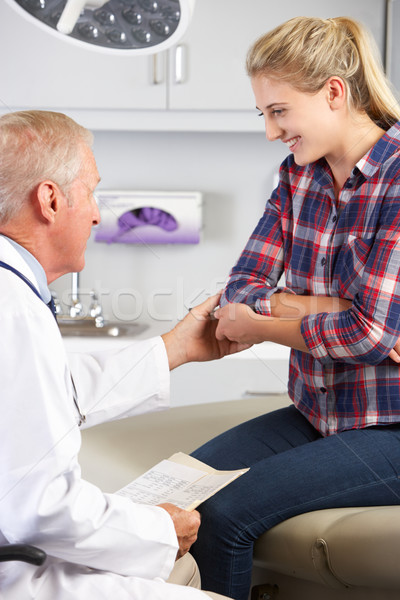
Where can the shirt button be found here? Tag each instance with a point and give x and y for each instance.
(334, 218)
(323, 261)
(322, 390)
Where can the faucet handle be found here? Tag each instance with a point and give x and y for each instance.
(56, 301)
(76, 309)
(95, 306)
(95, 309)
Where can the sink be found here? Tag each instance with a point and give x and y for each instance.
(87, 328)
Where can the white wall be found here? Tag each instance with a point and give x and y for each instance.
(234, 171)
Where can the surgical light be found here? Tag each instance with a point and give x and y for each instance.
(115, 26)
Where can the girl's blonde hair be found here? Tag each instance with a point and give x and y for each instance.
(37, 145)
(307, 51)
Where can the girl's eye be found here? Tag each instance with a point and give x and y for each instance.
(277, 111)
(260, 114)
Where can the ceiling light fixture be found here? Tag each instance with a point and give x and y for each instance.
(114, 26)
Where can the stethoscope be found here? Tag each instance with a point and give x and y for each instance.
(82, 417)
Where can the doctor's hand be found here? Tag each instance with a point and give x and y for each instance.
(186, 526)
(193, 339)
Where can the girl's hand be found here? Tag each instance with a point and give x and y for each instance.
(395, 353)
(239, 323)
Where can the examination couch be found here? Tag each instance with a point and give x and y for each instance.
(331, 554)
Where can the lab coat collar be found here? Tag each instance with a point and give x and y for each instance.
(30, 266)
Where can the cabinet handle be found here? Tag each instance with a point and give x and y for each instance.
(158, 68)
(180, 64)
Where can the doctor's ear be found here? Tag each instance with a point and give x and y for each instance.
(49, 198)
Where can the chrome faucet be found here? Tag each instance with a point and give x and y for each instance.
(76, 309)
(57, 304)
(95, 310)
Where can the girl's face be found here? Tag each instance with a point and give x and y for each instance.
(304, 122)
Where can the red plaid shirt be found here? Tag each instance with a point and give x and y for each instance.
(350, 249)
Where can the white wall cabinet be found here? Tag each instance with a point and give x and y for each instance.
(41, 70)
(261, 371)
(204, 74)
(212, 75)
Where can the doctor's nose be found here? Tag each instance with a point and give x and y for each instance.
(96, 218)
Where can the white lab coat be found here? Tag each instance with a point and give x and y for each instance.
(99, 545)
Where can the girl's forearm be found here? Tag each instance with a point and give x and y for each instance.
(285, 305)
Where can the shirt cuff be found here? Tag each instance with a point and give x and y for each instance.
(311, 328)
(262, 306)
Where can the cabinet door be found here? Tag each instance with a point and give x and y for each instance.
(393, 66)
(39, 69)
(208, 67)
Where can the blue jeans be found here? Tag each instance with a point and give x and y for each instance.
(293, 470)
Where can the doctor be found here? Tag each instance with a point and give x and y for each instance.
(99, 545)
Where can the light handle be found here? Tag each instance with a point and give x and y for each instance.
(72, 11)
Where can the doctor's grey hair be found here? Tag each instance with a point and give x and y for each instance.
(36, 146)
(306, 51)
